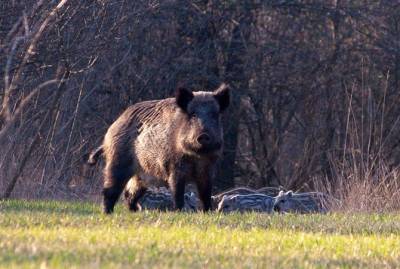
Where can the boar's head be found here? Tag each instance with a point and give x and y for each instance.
(199, 131)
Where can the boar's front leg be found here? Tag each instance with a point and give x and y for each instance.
(204, 188)
(177, 187)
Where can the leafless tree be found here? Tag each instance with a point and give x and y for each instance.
(315, 85)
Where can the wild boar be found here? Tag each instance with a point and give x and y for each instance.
(216, 199)
(161, 199)
(307, 202)
(246, 202)
(175, 140)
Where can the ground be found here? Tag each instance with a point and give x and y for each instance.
(48, 234)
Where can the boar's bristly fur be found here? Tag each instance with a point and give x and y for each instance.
(175, 140)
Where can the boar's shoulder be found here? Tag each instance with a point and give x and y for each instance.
(137, 117)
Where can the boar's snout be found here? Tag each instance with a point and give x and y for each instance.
(208, 143)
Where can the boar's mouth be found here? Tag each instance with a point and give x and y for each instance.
(205, 149)
(209, 148)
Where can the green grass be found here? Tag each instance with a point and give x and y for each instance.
(48, 234)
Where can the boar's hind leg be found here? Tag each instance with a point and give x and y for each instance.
(133, 192)
(204, 189)
(116, 177)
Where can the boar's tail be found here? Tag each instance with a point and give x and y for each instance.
(94, 155)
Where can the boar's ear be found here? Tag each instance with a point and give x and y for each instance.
(223, 96)
(183, 97)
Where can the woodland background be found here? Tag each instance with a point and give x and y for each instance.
(316, 88)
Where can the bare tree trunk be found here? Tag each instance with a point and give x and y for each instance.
(237, 79)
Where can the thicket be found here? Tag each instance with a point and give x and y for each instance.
(316, 87)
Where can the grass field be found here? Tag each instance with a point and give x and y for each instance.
(76, 235)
